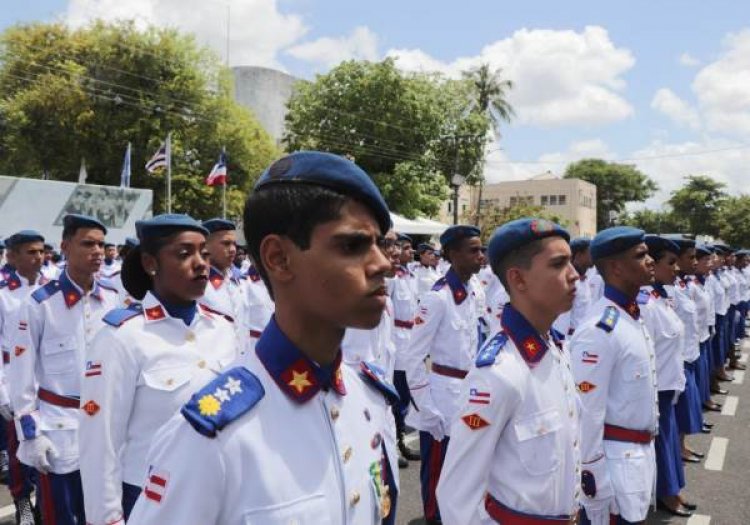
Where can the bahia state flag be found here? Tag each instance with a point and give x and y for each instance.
(218, 175)
(159, 160)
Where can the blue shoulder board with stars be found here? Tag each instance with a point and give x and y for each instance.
(45, 292)
(375, 376)
(609, 319)
(643, 297)
(439, 284)
(118, 316)
(3, 283)
(223, 400)
(489, 351)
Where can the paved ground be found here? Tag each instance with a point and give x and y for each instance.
(720, 485)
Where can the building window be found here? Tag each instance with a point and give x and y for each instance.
(561, 200)
(513, 201)
(463, 208)
(553, 200)
(545, 200)
(530, 200)
(450, 207)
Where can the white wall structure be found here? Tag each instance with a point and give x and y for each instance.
(41, 205)
(265, 92)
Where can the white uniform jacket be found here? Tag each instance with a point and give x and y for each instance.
(402, 289)
(614, 366)
(140, 369)
(426, 277)
(686, 308)
(668, 335)
(226, 293)
(260, 306)
(517, 436)
(14, 290)
(446, 329)
(289, 442)
(55, 329)
(718, 293)
(705, 307)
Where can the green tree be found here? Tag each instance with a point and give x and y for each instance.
(410, 132)
(734, 221)
(616, 185)
(653, 221)
(69, 94)
(699, 202)
(494, 216)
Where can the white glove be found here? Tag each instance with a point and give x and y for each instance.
(598, 510)
(37, 453)
(432, 422)
(6, 412)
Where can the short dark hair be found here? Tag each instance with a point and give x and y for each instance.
(518, 258)
(70, 230)
(290, 210)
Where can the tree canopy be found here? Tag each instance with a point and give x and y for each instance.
(616, 185)
(699, 204)
(410, 132)
(85, 93)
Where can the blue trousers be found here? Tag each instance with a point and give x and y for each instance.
(130, 495)
(670, 473)
(718, 344)
(21, 478)
(703, 371)
(689, 409)
(401, 408)
(61, 499)
(433, 456)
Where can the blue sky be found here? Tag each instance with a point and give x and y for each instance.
(654, 81)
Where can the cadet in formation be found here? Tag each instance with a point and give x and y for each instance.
(514, 452)
(291, 436)
(147, 361)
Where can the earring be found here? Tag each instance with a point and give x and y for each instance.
(152, 272)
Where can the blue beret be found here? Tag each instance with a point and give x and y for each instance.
(22, 237)
(656, 243)
(166, 224)
(721, 249)
(615, 240)
(330, 171)
(520, 232)
(424, 247)
(218, 225)
(701, 250)
(402, 237)
(680, 240)
(75, 221)
(48, 246)
(580, 243)
(109, 245)
(458, 232)
(131, 242)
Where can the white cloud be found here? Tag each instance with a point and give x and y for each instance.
(722, 88)
(361, 44)
(561, 77)
(667, 102)
(688, 60)
(258, 30)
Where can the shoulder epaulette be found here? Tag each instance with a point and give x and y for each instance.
(118, 316)
(375, 377)
(491, 348)
(212, 310)
(644, 296)
(223, 400)
(3, 283)
(609, 319)
(45, 292)
(439, 284)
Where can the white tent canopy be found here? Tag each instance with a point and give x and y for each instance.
(417, 226)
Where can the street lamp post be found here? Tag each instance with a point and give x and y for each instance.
(456, 181)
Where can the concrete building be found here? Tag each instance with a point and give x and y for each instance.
(572, 200)
(265, 92)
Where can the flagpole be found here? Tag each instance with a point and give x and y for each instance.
(169, 172)
(224, 186)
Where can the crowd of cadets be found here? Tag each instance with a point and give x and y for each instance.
(172, 380)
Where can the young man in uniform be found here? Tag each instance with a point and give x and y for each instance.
(446, 328)
(614, 367)
(514, 450)
(56, 325)
(292, 436)
(26, 249)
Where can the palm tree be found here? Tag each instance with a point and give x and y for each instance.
(491, 92)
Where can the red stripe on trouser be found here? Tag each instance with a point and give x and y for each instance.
(431, 507)
(15, 471)
(48, 503)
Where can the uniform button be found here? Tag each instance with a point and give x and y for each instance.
(169, 382)
(334, 413)
(570, 413)
(347, 454)
(541, 431)
(627, 454)
(60, 425)
(575, 443)
(201, 364)
(354, 499)
(190, 337)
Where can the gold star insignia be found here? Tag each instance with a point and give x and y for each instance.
(208, 405)
(299, 381)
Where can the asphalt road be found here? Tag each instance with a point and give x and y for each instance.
(720, 485)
